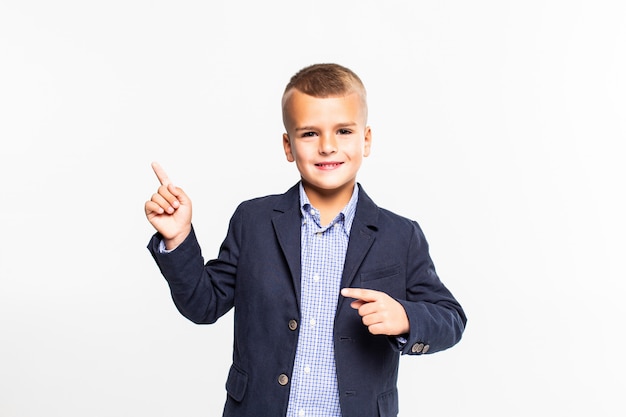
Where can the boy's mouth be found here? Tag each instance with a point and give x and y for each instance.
(328, 165)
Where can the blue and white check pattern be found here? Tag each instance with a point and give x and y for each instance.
(314, 391)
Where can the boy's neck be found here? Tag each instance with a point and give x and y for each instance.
(329, 202)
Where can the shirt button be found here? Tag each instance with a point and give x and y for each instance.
(301, 413)
(316, 278)
(293, 324)
(313, 322)
(307, 370)
(312, 212)
(283, 379)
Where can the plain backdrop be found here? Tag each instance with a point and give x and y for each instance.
(498, 125)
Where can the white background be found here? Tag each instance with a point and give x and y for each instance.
(498, 125)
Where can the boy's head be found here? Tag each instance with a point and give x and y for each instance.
(325, 116)
(322, 81)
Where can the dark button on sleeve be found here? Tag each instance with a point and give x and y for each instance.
(417, 348)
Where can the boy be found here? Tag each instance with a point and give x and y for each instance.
(291, 263)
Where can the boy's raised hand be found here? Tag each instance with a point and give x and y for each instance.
(381, 313)
(169, 210)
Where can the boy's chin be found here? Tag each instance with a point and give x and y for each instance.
(328, 188)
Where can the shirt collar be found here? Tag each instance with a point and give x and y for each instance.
(348, 211)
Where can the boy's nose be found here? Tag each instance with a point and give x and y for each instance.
(328, 144)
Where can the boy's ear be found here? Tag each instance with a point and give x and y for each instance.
(367, 145)
(287, 147)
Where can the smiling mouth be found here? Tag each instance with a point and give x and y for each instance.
(328, 165)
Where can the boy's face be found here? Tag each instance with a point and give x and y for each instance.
(327, 139)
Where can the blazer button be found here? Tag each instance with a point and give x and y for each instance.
(417, 348)
(283, 379)
(293, 324)
(426, 347)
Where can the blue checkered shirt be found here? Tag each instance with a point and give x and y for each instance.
(314, 391)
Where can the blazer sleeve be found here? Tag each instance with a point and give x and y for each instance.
(201, 292)
(436, 318)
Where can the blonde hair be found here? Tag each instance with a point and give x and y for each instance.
(326, 80)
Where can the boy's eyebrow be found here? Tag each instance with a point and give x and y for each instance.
(339, 125)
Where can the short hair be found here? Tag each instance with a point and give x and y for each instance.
(326, 80)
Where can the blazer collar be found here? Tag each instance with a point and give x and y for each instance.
(366, 212)
(287, 226)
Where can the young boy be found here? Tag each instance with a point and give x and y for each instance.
(291, 264)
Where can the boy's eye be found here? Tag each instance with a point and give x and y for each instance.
(344, 131)
(308, 134)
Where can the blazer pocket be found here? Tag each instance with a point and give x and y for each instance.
(386, 272)
(388, 403)
(387, 280)
(236, 383)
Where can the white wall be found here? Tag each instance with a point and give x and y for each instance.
(498, 125)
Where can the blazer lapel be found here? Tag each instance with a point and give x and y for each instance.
(362, 236)
(287, 226)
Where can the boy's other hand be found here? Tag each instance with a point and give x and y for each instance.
(381, 313)
(169, 210)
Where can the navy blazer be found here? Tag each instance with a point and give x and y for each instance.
(258, 272)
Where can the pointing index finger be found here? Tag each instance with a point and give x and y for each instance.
(160, 173)
(360, 294)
